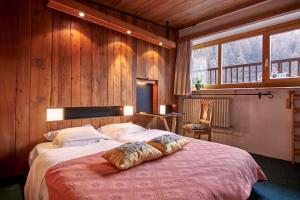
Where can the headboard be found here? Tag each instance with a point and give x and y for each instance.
(95, 122)
(78, 116)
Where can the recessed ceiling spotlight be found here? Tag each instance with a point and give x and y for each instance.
(160, 43)
(128, 32)
(81, 14)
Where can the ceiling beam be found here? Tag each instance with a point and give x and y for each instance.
(221, 13)
(95, 16)
(246, 21)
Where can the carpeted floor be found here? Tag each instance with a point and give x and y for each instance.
(12, 189)
(283, 184)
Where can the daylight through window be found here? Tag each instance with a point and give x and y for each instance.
(204, 67)
(285, 55)
(242, 61)
(267, 57)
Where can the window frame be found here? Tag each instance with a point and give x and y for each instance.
(266, 62)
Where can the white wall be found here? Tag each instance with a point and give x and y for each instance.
(260, 126)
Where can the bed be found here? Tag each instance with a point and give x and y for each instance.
(201, 170)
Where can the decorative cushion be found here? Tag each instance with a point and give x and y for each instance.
(195, 126)
(169, 143)
(131, 154)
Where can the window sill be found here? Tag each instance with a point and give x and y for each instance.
(250, 86)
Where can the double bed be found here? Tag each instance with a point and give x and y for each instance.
(201, 170)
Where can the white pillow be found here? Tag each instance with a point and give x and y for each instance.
(77, 136)
(51, 135)
(111, 130)
(71, 143)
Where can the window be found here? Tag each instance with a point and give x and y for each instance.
(205, 65)
(242, 61)
(266, 57)
(285, 55)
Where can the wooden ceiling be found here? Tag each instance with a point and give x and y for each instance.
(179, 13)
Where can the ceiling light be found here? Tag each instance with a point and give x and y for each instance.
(128, 32)
(160, 43)
(81, 14)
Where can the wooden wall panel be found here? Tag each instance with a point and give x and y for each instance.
(85, 64)
(40, 63)
(76, 69)
(54, 67)
(50, 60)
(23, 85)
(96, 81)
(55, 60)
(126, 68)
(141, 57)
(8, 85)
(75, 66)
(133, 52)
(171, 62)
(161, 77)
(116, 69)
(110, 76)
(64, 66)
(103, 68)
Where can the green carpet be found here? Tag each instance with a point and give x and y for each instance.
(10, 191)
(283, 183)
(283, 180)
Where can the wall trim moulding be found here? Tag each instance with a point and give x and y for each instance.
(95, 16)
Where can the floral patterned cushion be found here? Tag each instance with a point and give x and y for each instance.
(131, 154)
(195, 126)
(169, 143)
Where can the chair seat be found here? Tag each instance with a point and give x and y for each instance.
(195, 127)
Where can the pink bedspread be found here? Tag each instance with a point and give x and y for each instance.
(202, 170)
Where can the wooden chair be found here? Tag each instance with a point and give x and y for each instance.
(204, 125)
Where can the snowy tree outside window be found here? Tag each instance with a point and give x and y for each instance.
(205, 65)
(242, 61)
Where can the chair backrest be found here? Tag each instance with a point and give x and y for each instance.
(206, 113)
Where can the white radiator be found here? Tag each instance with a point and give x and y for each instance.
(221, 111)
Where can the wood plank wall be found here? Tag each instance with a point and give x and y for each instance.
(50, 59)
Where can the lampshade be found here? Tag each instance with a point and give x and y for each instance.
(55, 114)
(162, 109)
(128, 110)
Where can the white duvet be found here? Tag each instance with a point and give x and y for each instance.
(128, 136)
(35, 187)
(45, 156)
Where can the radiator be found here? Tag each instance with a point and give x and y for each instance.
(221, 111)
